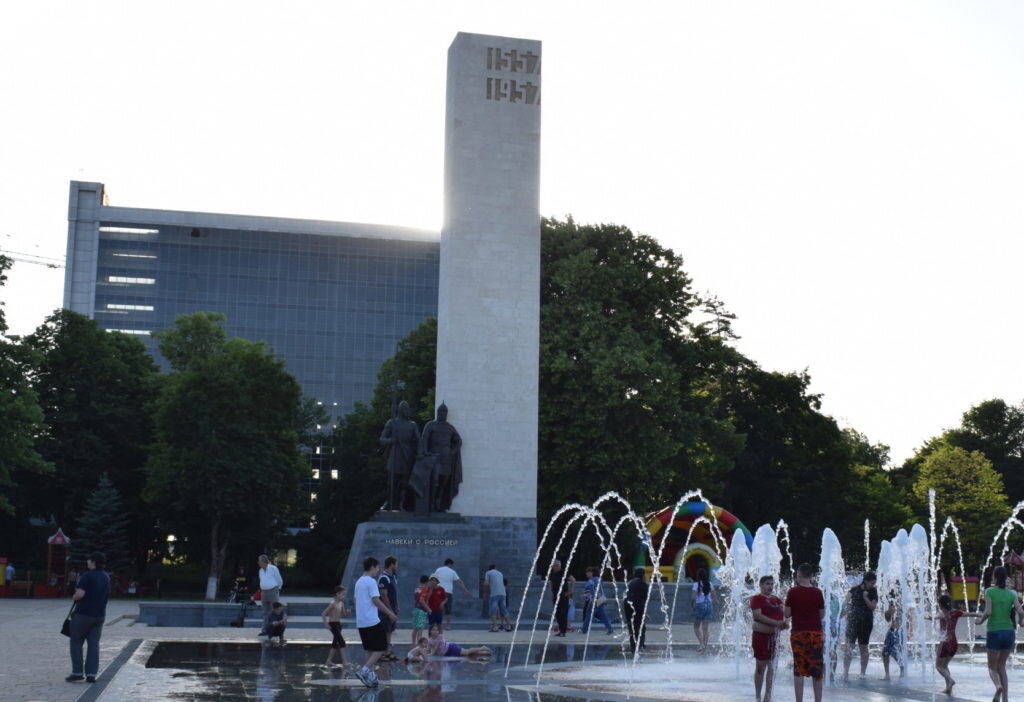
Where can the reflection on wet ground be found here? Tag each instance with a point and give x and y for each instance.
(221, 671)
(206, 671)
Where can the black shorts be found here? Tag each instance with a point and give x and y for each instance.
(448, 604)
(337, 640)
(389, 626)
(374, 638)
(859, 632)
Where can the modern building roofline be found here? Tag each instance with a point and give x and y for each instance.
(286, 225)
(213, 220)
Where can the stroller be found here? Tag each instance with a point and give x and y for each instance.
(240, 594)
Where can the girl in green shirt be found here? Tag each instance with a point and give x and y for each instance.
(1002, 632)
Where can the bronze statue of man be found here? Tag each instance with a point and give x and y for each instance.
(438, 472)
(401, 436)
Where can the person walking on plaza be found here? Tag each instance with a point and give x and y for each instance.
(369, 609)
(270, 590)
(594, 605)
(497, 598)
(555, 580)
(703, 600)
(768, 620)
(1000, 603)
(9, 574)
(636, 606)
(805, 609)
(388, 583)
(448, 578)
(331, 617)
(91, 594)
(562, 610)
(861, 602)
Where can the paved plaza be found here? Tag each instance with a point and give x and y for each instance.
(138, 662)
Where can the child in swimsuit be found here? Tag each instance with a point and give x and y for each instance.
(442, 649)
(419, 653)
(948, 617)
(331, 617)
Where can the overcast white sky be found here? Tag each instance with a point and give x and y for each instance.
(847, 177)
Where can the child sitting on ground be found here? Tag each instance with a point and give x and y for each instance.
(331, 617)
(418, 653)
(278, 622)
(442, 649)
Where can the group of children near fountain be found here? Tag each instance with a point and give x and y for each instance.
(804, 613)
(375, 621)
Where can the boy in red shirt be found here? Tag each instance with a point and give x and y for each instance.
(436, 597)
(805, 605)
(768, 621)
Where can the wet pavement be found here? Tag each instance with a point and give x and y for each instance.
(188, 663)
(205, 671)
(232, 670)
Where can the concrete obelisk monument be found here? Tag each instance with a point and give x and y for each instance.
(489, 292)
(488, 326)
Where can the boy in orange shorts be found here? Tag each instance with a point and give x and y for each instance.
(805, 606)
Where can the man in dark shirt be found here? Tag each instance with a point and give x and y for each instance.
(860, 619)
(387, 581)
(636, 603)
(555, 580)
(91, 594)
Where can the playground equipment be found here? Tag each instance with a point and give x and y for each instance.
(691, 520)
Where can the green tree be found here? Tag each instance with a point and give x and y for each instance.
(225, 465)
(96, 389)
(872, 495)
(997, 430)
(993, 427)
(643, 392)
(21, 417)
(795, 462)
(103, 527)
(624, 402)
(967, 489)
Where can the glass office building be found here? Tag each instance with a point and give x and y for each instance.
(331, 298)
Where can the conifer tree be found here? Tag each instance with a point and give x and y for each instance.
(102, 527)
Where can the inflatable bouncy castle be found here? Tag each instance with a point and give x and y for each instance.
(671, 527)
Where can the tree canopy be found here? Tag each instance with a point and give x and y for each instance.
(643, 392)
(967, 489)
(225, 465)
(21, 417)
(95, 388)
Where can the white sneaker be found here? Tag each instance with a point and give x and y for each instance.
(364, 677)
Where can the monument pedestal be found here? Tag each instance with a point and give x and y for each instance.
(421, 543)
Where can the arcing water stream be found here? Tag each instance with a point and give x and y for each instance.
(908, 581)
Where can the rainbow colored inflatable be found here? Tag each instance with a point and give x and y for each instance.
(702, 551)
